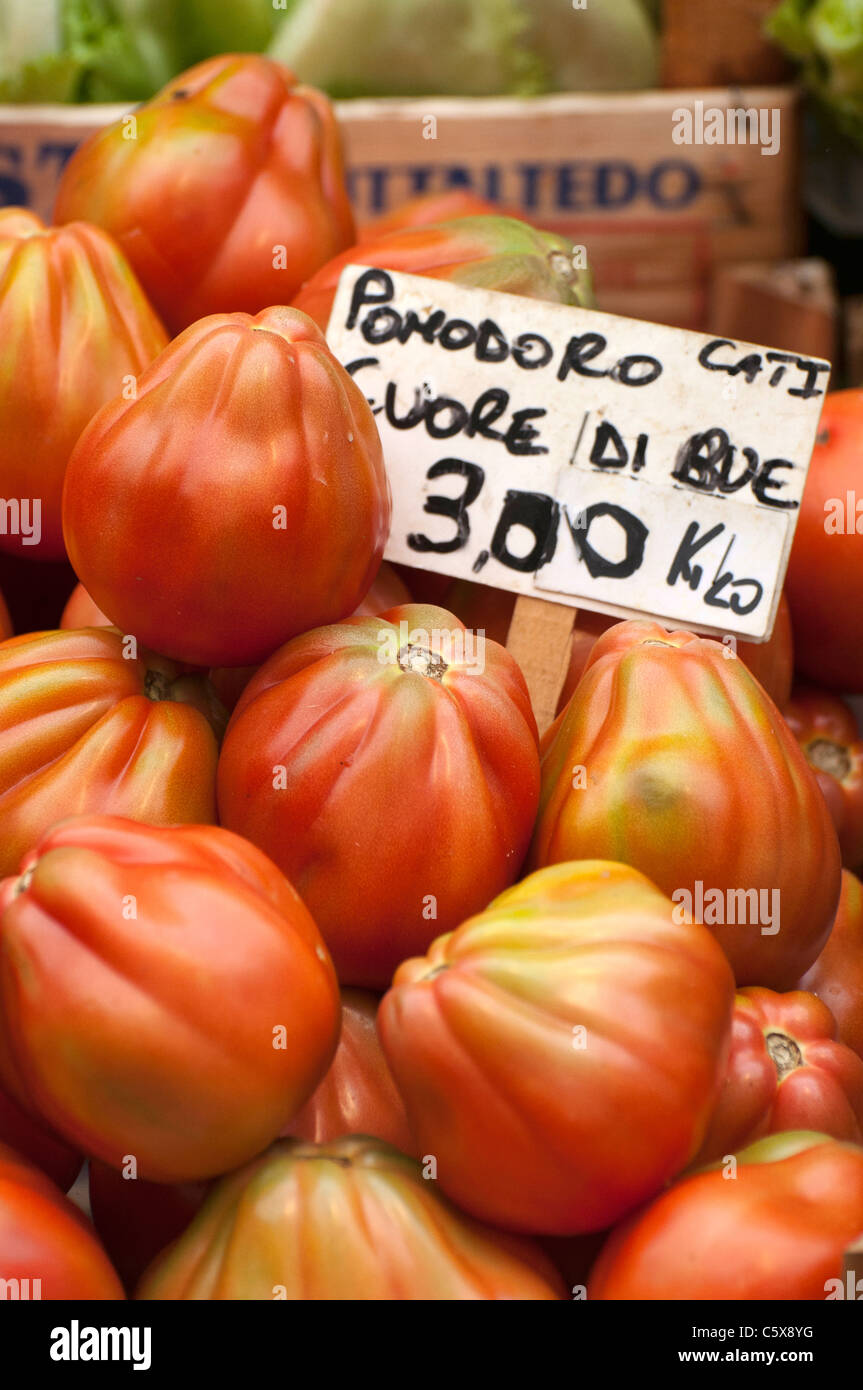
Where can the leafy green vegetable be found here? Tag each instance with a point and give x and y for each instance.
(127, 49)
(33, 66)
(826, 37)
(468, 47)
(355, 48)
(228, 26)
(605, 47)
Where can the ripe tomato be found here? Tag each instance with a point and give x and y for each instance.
(392, 772)
(164, 994)
(826, 729)
(825, 575)
(230, 194)
(837, 975)
(786, 1071)
(776, 1230)
(76, 330)
(561, 1052)
(358, 1094)
(81, 611)
(45, 1240)
(83, 727)
(351, 1220)
(27, 1135)
(136, 1219)
(428, 208)
(495, 253)
(671, 758)
(246, 489)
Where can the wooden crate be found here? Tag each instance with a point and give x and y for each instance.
(655, 216)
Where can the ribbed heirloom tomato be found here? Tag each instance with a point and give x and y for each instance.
(391, 769)
(358, 1094)
(493, 253)
(76, 330)
(777, 1230)
(671, 757)
(238, 500)
(89, 722)
(46, 1242)
(825, 574)
(164, 994)
(837, 975)
(226, 190)
(560, 1053)
(827, 731)
(786, 1071)
(347, 1220)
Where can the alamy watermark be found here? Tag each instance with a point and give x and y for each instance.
(715, 907)
(429, 652)
(21, 516)
(700, 124)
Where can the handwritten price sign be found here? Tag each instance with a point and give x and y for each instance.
(580, 457)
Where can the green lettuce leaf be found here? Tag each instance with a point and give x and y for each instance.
(609, 46)
(33, 66)
(826, 38)
(356, 48)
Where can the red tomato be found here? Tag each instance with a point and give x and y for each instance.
(81, 611)
(837, 975)
(670, 757)
(392, 772)
(246, 489)
(825, 575)
(358, 1094)
(76, 330)
(429, 208)
(826, 729)
(164, 994)
(83, 728)
(786, 1071)
(352, 1220)
(27, 1135)
(561, 1052)
(230, 194)
(136, 1219)
(495, 253)
(776, 1230)
(45, 1240)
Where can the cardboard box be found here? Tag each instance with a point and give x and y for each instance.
(656, 206)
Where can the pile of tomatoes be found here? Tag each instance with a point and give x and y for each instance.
(345, 983)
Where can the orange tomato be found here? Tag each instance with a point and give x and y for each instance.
(76, 330)
(670, 757)
(230, 194)
(84, 727)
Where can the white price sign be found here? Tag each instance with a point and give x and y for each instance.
(581, 457)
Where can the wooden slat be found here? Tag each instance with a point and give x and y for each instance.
(539, 638)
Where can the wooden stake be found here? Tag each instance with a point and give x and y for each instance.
(539, 638)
